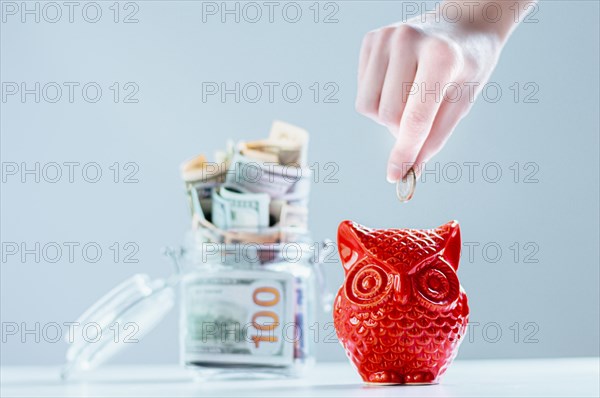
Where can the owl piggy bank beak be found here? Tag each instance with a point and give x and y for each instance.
(451, 234)
(349, 246)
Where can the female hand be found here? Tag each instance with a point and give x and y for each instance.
(421, 77)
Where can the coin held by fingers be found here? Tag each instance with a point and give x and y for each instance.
(405, 187)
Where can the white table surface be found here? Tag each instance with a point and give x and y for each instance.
(549, 377)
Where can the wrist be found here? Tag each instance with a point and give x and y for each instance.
(490, 17)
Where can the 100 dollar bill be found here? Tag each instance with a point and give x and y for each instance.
(239, 317)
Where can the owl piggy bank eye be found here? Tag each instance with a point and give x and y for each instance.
(437, 284)
(368, 285)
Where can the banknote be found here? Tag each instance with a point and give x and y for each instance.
(286, 146)
(221, 211)
(254, 191)
(293, 136)
(232, 208)
(279, 182)
(272, 151)
(200, 197)
(294, 216)
(239, 317)
(293, 222)
(199, 169)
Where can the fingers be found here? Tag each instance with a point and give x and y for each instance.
(396, 88)
(448, 117)
(387, 63)
(376, 51)
(363, 59)
(419, 114)
(401, 78)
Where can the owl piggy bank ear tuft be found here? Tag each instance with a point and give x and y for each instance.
(349, 246)
(451, 234)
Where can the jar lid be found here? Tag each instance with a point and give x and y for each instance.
(121, 317)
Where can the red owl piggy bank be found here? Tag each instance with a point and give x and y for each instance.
(401, 312)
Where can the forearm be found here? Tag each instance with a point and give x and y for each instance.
(496, 17)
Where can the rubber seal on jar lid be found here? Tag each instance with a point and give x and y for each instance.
(405, 187)
(121, 317)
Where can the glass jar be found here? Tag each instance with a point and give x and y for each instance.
(246, 307)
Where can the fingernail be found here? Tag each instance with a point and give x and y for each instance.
(394, 173)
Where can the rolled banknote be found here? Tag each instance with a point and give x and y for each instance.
(279, 182)
(294, 216)
(232, 208)
(201, 178)
(286, 145)
(293, 222)
(272, 151)
(293, 135)
(206, 231)
(199, 169)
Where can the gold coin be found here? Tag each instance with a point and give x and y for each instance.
(405, 187)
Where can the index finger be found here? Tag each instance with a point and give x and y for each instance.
(418, 116)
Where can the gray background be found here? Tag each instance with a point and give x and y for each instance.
(170, 52)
